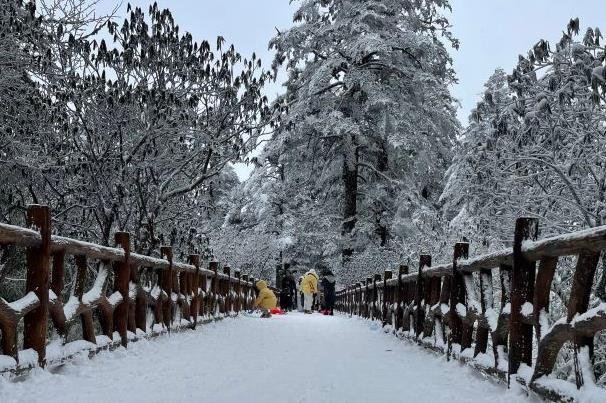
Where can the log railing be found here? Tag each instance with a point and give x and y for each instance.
(132, 296)
(451, 308)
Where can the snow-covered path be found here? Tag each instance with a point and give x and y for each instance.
(293, 358)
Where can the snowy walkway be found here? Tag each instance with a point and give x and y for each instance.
(293, 358)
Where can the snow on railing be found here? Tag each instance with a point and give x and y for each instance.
(451, 308)
(129, 294)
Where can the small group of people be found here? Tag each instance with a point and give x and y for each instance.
(313, 292)
(318, 293)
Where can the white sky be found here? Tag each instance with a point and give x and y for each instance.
(492, 32)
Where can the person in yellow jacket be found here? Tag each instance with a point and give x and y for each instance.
(266, 299)
(309, 287)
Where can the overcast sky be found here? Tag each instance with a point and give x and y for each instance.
(492, 32)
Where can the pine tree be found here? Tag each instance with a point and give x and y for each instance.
(367, 114)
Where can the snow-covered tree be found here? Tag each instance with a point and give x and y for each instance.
(476, 199)
(367, 118)
(138, 128)
(536, 146)
(22, 109)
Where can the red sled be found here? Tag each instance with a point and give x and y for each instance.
(277, 311)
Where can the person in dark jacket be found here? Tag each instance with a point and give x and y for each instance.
(328, 285)
(299, 294)
(289, 290)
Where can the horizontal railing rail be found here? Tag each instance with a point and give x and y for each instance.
(451, 308)
(130, 296)
(10, 234)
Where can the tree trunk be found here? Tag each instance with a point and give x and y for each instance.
(350, 194)
(601, 288)
(382, 166)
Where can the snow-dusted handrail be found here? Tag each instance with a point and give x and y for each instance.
(592, 240)
(11, 234)
(139, 284)
(451, 308)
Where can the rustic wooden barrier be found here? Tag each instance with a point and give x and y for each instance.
(127, 289)
(450, 308)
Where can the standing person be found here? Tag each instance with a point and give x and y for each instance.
(309, 286)
(266, 300)
(328, 284)
(299, 295)
(292, 290)
(288, 291)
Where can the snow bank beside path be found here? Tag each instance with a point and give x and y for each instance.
(292, 358)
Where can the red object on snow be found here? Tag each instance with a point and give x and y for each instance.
(276, 311)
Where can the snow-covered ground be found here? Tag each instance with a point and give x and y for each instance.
(292, 358)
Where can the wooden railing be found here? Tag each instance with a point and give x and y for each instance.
(451, 308)
(132, 296)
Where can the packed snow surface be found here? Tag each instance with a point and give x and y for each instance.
(290, 358)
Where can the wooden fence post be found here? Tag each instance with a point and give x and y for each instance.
(486, 302)
(352, 299)
(367, 303)
(500, 336)
(55, 307)
(376, 297)
(121, 279)
(185, 295)
(432, 294)
(246, 292)
(354, 302)
(522, 291)
(402, 271)
(443, 320)
(58, 273)
(140, 301)
(86, 318)
(38, 259)
(457, 296)
(545, 273)
(238, 298)
(106, 310)
(344, 300)
(132, 302)
(176, 289)
(194, 260)
(359, 298)
(228, 286)
(387, 275)
(214, 286)
(424, 261)
(550, 345)
(580, 293)
(167, 286)
(204, 301)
